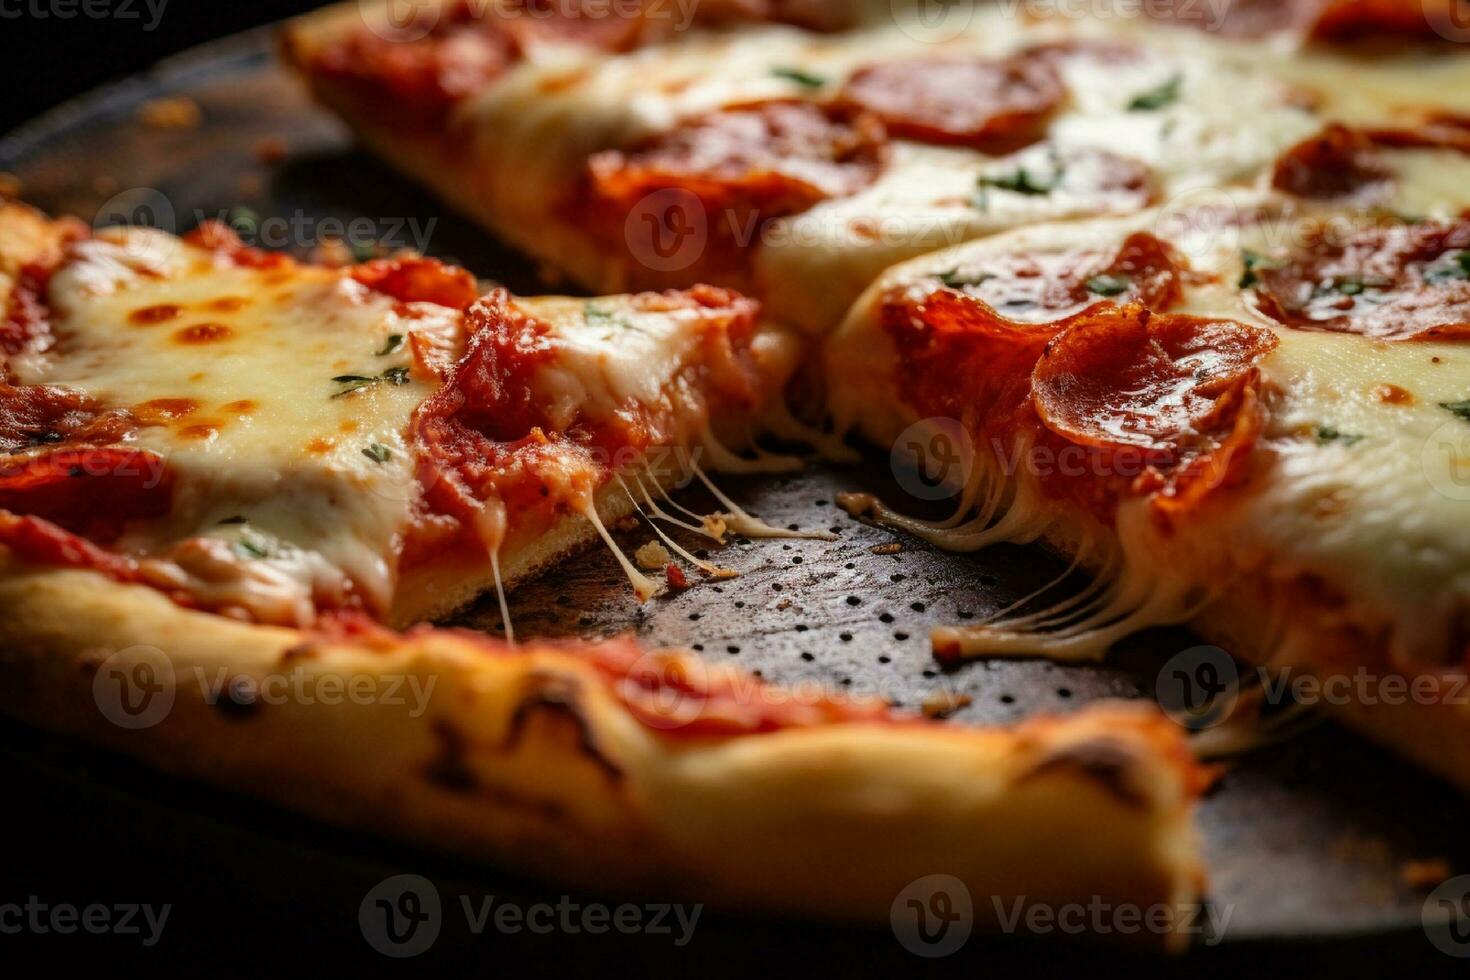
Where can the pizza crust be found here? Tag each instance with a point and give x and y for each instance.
(526, 758)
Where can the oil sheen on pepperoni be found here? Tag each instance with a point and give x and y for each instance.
(1048, 286)
(995, 105)
(1401, 282)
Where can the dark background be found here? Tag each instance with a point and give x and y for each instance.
(45, 59)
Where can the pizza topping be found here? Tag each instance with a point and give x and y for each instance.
(1048, 286)
(1175, 392)
(1339, 162)
(418, 280)
(1085, 178)
(1399, 282)
(221, 239)
(992, 105)
(93, 492)
(760, 161)
(26, 324)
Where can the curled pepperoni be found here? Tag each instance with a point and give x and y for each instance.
(1350, 20)
(27, 316)
(1401, 282)
(1339, 162)
(93, 492)
(41, 415)
(40, 542)
(995, 105)
(1047, 286)
(221, 239)
(419, 280)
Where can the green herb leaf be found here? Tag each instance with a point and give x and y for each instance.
(245, 221)
(1157, 98)
(803, 78)
(1326, 434)
(1253, 261)
(1350, 287)
(1107, 285)
(1020, 182)
(953, 279)
(250, 546)
(1460, 409)
(394, 341)
(237, 519)
(396, 375)
(363, 251)
(356, 382)
(1459, 270)
(378, 453)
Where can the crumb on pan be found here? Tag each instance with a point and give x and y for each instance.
(942, 704)
(271, 149)
(652, 556)
(177, 112)
(891, 548)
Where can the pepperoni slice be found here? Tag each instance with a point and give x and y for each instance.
(1048, 286)
(419, 280)
(26, 322)
(995, 105)
(92, 492)
(41, 542)
(1351, 20)
(1403, 282)
(39, 415)
(775, 158)
(1339, 162)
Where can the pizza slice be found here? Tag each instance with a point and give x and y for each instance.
(227, 475)
(792, 163)
(1252, 420)
(274, 439)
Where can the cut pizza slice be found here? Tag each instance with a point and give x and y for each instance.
(1252, 421)
(797, 164)
(272, 439)
(222, 466)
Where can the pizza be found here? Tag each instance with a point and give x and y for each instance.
(226, 466)
(1192, 294)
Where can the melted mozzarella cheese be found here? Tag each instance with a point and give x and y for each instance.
(233, 374)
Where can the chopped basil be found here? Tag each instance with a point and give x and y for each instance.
(378, 453)
(1460, 409)
(1020, 182)
(363, 251)
(1326, 434)
(237, 519)
(356, 382)
(803, 78)
(394, 341)
(1349, 287)
(250, 546)
(1157, 98)
(953, 279)
(1253, 261)
(1108, 285)
(1459, 269)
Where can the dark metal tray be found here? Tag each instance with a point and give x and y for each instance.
(1306, 841)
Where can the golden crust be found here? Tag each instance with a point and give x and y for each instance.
(528, 759)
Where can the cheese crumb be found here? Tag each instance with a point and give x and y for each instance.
(652, 556)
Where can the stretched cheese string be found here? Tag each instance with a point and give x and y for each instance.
(643, 587)
(659, 513)
(709, 568)
(748, 525)
(779, 422)
(727, 462)
(510, 633)
(1248, 727)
